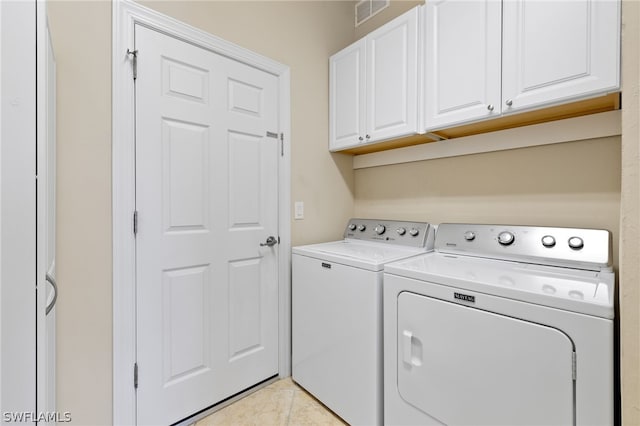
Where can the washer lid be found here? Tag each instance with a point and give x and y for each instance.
(586, 292)
(359, 254)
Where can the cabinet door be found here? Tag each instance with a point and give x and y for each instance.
(462, 61)
(347, 96)
(555, 51)
(392, 78)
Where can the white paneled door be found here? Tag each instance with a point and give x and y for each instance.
(207, 201)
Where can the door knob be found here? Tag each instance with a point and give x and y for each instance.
(271, 241)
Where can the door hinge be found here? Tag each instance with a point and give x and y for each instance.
(135, 222)
(134, 61)
(281, 144)
(135, 375)
(574, 368)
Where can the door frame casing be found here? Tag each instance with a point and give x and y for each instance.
(127, 14)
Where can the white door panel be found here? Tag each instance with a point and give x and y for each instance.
(462, 365)
(251, 217)
(462, 61)
(206, 196)
(393, 78)
(555, 51)
(347, 81)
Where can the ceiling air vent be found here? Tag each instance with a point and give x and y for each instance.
(365, 9)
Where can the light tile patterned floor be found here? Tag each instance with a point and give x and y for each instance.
(282, 403)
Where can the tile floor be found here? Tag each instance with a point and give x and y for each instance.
(282, 403)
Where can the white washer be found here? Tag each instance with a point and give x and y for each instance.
(337, 313)
(501, 325)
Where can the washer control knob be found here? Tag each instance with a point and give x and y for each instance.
(548, 241)
(362, 227)
(576, 243)
(413, 232)
(380, 229)
(469, 235)
(506, 238)
(352, 227)
(401, 231)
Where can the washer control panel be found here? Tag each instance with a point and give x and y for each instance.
(410, 234)
(571, 247)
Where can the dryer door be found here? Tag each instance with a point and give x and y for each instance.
(462, 365)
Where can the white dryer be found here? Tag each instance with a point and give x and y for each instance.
(337, 313)
(501, 325)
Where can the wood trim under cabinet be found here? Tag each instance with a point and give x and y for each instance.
(593, 126)
(595, 105)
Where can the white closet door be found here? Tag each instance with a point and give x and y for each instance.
(462, 61)
(556, 50)
(465, 366)
(206, 196)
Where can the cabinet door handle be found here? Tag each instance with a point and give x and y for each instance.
(509, 102)
(368, 137)
(490, 107)
(360, 138)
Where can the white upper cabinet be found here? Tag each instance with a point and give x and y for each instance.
(392, 78)
(347, 96)
(556, 51)
(485, 58)
(462, 70)
(374, 85)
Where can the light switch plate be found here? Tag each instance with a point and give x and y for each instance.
(299, 210)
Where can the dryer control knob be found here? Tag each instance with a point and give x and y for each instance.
(401, 231)
(361, 228)
(413, 232)
(506, 238)
(352, 227)
(469, 235)
(380, 229)
(548, 241)
(576, 243)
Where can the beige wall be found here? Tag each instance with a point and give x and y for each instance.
(571, 184)
(629, 276)
(301, 34)
(81, 33)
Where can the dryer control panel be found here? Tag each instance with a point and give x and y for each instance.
(410, 234)
(568, 247)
